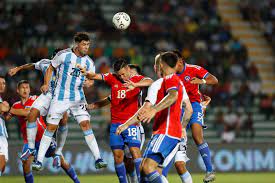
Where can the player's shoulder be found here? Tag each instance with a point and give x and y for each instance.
(33, 97)
(137, 78)
(16, 104)
(193, 67)
(171, 77)
(89, 59)
(65, 51)
(44, 61)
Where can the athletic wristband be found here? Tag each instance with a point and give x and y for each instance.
(203, 81)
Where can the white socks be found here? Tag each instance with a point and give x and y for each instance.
(186, 177)
(31, 134)
(91, 141)
(44, 145)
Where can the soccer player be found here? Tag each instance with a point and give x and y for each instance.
(192, 76)
(21, 110)
(167, 128)
(4, 107)
(124, 104)
(41, 107)
(128, 159)
(69, 95)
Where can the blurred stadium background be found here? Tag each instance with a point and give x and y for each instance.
(233, 39)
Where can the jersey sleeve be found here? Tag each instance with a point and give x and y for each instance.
(171, 83)
(137, 78)
(153, 91)
(108, 78)
(58, 60)
(90, 65)
(37, 65)
(201, 72)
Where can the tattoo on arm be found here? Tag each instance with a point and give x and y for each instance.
(167, 101)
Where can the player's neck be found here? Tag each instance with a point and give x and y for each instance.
(168, 71)
(24, 100)
(76, 52)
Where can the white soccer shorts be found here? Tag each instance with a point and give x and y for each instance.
(179, 152)
(42, 103)
(141, 138)
(4, 147)
(58, 108)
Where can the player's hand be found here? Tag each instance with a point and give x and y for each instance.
(147, 115)
(91, 106)
(44, 88)
(130, 85)
(184, 135)
(5, 107)
(121, 128)
(196, 80)
(83, 70)
(206, 100)
(13, 71)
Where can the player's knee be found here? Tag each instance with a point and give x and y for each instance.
(146, 168)
(52, 128)
(118, 158)
(135, 152)
(180, 166)
(33, 115)
(85, 125)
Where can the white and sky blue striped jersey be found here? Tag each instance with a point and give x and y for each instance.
(3, 129)
(69, 80)
(42, 66)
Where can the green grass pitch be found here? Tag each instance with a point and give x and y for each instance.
(173, 178)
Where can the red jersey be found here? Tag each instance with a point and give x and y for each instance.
(190, 71)
(123, 104)
(168, 121)
(23, 122)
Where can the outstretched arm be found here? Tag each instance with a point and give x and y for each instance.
(19, 112)
(99, 104)
(143, 83)
(14, 70)
(47, 78)
(89, 75)
(209, 80)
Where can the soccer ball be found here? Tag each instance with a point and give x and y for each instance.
(121, 20)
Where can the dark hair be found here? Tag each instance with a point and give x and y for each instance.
(119, 64)
(55, 52)
(3, 77)
(135, 66)
(169, 58)
(178, 53)
(22, 82)
(81, 36)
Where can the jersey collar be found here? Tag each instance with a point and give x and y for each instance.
(182, 69)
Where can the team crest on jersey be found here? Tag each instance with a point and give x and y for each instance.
(187, 78)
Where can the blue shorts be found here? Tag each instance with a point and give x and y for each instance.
(50, 152)
(197, 116)
(130, 137)
(159, 147)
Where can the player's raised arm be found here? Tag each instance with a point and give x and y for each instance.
(209, 80)
(47, 79)
(13, 71)
(143, 83)
(99, 104)
(89, 75)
